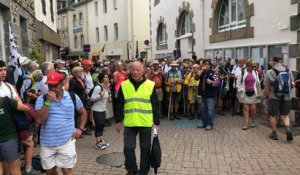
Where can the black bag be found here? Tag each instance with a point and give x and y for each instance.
(155, 156)
(249, 93)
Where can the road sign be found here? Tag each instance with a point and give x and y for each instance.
(86, 48)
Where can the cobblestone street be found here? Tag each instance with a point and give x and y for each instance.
(226, 149)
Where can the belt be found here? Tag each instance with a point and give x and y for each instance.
(157, 87)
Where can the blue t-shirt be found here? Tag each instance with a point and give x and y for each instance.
(59, 126)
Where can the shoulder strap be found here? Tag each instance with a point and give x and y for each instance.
(11, 93)
(243, 72)
(6, 103)
(73, 97)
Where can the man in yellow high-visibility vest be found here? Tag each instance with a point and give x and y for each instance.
(137, 101)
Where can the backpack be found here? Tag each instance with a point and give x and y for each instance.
(21, 119)
(282, 82)
(92, 90)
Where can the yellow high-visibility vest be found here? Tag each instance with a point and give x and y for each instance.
(138, 108)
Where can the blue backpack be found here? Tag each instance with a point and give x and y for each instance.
(282, 83)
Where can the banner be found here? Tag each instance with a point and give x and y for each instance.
(14, 55)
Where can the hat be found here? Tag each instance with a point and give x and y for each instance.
(277, 59)
(87, 62)
(155, 62)
(174, 63)
(54, 78)
(59, 61)
(23, 60)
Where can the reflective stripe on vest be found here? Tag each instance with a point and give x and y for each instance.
(138, 107)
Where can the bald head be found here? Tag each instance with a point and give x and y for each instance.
(136, 71)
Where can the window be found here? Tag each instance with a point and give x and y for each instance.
(59, 23)
(115, 5)
(44, 7)
(232, 15)
(116, 31)
(96, 8)
(80, 19)
(185, 23)
(64, 22)
(104, 6)
(97, 34)
(162, 39)
(81, 41)
(75, 42)
(51, 10)
(105, 33)
(74, 20)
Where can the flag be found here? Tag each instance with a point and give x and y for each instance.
(102, 50)
(14, 54)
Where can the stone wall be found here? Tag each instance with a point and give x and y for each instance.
(23, 24)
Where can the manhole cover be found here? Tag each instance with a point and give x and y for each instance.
(111, 159)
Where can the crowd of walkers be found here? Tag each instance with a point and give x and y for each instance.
(65, 100)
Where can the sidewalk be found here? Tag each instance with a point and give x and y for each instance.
(226, 149)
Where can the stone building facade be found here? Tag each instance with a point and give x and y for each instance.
(21, 15)
(227, 28)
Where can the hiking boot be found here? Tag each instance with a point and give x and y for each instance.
(245, 126)
(253, 124)
(191, 117)
(289, 136)
(208, 127)
(176, 117)
(273, 136)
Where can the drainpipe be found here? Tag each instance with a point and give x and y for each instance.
(203, 28)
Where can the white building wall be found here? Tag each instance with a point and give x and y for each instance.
(46, 19)
(270, 22)
(127, 33)
(162, 10)
(83, 27)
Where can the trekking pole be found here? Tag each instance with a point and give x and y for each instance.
(170, 102)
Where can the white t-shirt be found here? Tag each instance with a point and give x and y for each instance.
(236, 71)
(44, 87)
(5, 91)
(88, 81)
(99, 104)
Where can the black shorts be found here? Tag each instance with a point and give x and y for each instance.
(279, 107)
(176, 96)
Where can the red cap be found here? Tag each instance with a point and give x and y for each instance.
(54, 78)
(87, 62)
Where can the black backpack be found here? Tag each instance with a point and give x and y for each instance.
(92, 90)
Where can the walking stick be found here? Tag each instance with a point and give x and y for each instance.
(170, 102)
(219, 97)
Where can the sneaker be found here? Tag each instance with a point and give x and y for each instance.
(289, 136)
(253, 124)
(32, 172)
(273, 136)
(101, 145)
(105, 144)
(208, 127)
(201, 126)
(245, 126)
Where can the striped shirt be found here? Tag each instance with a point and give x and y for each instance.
(59, 126)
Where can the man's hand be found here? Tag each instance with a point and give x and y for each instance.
(155, 127)
(51, 96)
(76, 134)
(118, 127)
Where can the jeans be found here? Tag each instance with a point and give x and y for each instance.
(130, 134)
(208, 110)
